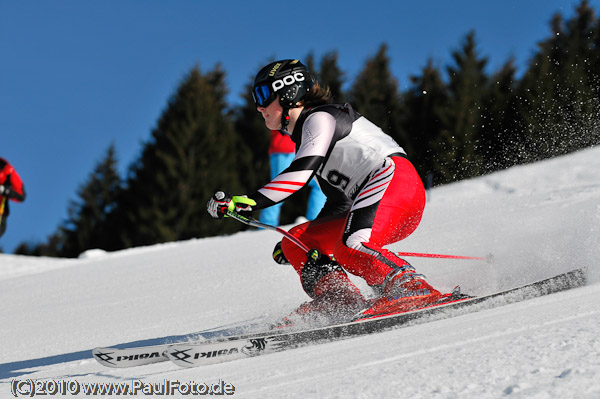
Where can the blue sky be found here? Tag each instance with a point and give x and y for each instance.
(76, 76)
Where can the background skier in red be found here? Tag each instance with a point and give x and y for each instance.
(11, 188)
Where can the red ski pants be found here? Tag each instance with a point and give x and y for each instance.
(387, 209)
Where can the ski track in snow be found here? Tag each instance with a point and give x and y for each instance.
(538, 220)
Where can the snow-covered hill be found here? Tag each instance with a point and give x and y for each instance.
(537, 220)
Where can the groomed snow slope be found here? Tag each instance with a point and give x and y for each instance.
(537, 220)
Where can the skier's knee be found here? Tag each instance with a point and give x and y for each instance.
(357, 238)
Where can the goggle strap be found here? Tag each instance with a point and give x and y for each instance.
(285, 118)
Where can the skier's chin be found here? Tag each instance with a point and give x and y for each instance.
(273, 126)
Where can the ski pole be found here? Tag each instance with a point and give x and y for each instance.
(2, 209)
(255, 223)
(488, 258)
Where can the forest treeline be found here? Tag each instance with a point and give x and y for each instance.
(455, 122)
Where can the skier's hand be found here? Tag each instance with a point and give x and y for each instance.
(218, 205)
(278, 255)
(222, 202)
(243, 204)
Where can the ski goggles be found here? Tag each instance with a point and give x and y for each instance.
(262, 95)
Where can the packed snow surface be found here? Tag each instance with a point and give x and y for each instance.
(537, 220)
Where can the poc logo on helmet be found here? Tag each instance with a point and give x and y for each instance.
(288, 80)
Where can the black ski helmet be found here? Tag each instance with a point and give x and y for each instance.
(288, 78)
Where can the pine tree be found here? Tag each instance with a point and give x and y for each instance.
(192, 154)
(330, 75)
(424, 102)
(582, 78)
(309, 63)
(51, 247)
(86, 226)
(500, 127)
(559, 99)
(375, 95)
(457, 147)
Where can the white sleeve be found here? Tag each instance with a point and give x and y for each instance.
(317, 135)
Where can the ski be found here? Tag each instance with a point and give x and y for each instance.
(232, 348)
(130, 357)
(138, 354)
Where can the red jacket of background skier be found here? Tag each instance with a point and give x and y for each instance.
(281, 143)
(12, 189)
(11, 180)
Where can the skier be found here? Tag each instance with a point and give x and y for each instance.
(374, 195)
(11, 187)
(281, 155)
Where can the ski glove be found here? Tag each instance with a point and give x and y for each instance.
(222, 202)
(278, 255)
(4, 191)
